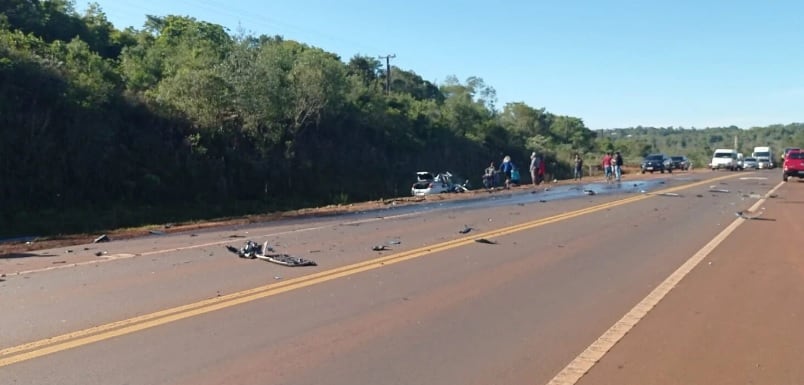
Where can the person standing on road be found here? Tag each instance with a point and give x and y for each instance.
(542, 169)
(534, 168)
(578, 174)
(488, 176)
(506, 167)
(618, 165)
(607, 158)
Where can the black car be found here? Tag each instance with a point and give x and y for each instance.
(680, 162)
(657, 162)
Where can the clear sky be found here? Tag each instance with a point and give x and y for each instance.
(612, 63)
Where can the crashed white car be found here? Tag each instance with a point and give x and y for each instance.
(428, 183)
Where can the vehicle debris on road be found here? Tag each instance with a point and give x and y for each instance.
(465, 230)
(486, 241)
(102, 238)
(253, 250)
(380, 248)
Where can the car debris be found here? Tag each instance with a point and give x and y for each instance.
(156, 232)
(486, 241)
(748, 214)
(102, 238)
(589, 192)
(380, 248)
(719, 190)
(253, 250)
(465, 230)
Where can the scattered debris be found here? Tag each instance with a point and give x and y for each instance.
(252, 250)
(589, 192)
(68, 251)
(486, 241)
(542, 201)
(57, 262)
(100, 253)
(773, 196)
(276, 277)
(193, 235)
(718, 190)
(394, 242)
(669, 194)
(156, 232)
(699, 195)
(754, 196)
(102, 238)
(380, 248)
(465, 230)
(753, 178)
(236, 236)
(747, 214)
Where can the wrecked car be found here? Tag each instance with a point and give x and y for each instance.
(428, 183)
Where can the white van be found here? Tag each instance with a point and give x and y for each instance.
(724, 158)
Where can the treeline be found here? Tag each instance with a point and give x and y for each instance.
(698, 144)
(180, 120)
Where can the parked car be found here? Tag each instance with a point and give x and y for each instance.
(793, 165)
(428, 183)
(657, 162)
(750, 164)
(680, 162)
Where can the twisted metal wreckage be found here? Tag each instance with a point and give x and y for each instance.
(253, 250)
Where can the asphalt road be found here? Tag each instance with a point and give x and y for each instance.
(604, 288)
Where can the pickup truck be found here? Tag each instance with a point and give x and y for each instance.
(793, 165)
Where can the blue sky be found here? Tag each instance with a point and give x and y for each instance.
(612, 63)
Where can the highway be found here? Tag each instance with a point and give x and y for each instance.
(665, 285)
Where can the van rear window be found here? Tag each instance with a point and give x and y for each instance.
(723, 155)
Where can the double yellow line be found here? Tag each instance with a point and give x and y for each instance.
(67, 341)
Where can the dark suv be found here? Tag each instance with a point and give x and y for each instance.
(657, 162)
(680, 162)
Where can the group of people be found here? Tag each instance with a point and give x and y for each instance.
(510, 172)
(612, 166)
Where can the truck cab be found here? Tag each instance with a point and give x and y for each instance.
(764, 156)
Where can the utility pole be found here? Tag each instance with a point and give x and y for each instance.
(388, 71)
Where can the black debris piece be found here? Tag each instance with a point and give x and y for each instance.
(486, 241)
(542, 201)
(380, 248)
(102, 238)
(589, 192)
(100, 253)
(718, 190)
(465, 230)
(236, 236)
(699, 195)
(394, 242)
(156, 232)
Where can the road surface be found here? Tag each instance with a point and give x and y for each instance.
(664, 286)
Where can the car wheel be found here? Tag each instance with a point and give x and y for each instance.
(784, 177)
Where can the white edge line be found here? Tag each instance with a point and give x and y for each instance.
(584, 362)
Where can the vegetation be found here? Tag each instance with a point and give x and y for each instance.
(181, 120)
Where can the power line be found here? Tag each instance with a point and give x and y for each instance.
(388, 71)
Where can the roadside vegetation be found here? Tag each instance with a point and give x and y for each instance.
(184, 120)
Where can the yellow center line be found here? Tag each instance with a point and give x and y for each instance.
(72, 340)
